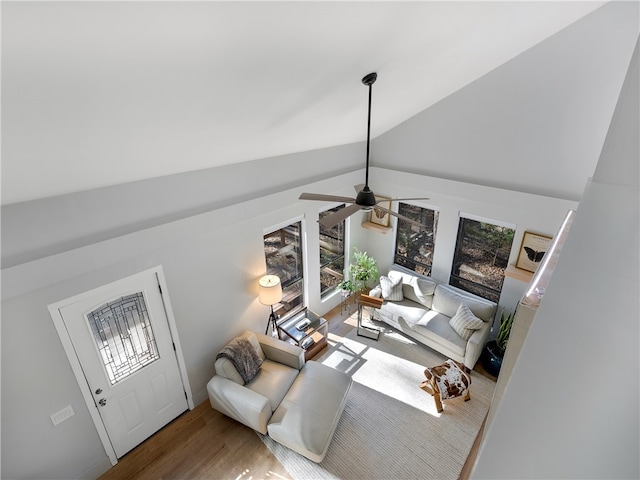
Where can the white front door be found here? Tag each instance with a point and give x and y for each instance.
(122, 340)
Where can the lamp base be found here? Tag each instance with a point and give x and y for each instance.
(272, 325)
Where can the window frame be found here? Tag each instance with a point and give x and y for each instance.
(345, 236)
(457, 280)
(279, 308)
(436, 219)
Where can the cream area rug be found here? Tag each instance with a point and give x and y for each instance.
(390, 428)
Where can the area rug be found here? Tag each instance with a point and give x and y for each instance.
(390, 428)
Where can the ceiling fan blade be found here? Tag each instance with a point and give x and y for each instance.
(403, 199)
(337, 217)
(401, 217)
(328, 198)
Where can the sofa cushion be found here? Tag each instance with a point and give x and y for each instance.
(464, 322)
(273, 381)
(435, 326)
(308, 416)
(418, 289)
(281, 352)
(391, 288)
(447, 299)
(406, 309)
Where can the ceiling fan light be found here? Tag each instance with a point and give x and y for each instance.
(366, 198)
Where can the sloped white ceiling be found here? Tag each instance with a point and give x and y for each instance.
(103, 93)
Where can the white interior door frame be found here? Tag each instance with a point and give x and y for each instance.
(56, 316)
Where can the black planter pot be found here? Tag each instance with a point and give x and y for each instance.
(492, 358)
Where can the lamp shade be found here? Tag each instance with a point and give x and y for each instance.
(269, 290)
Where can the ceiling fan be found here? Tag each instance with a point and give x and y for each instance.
(365, 198)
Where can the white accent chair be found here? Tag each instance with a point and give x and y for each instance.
(297, 404)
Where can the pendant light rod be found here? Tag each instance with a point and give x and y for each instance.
(368, 80)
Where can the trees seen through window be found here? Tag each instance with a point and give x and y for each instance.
(331, 254)
(283, 253)
(481, 257)
(415, 239)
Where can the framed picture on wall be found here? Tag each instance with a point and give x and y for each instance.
(378, 216)
(532, 250)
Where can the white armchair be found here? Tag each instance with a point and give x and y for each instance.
(297, 404)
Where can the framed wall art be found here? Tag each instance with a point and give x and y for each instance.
(378, 216)
(532, 250)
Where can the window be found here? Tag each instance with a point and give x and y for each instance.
(283, 252)
(415, 239)
(331, 254)
(481, 257)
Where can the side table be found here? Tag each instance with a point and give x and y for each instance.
(307, 330)
(362, 330)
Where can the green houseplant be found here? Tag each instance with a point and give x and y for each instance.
(347, 286)
(503, 332)
(494, 351)
(362, 271)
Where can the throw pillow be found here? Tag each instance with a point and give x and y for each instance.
(464, 322)
(391, 288)
(423, 290)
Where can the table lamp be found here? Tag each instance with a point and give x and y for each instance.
(270, 293)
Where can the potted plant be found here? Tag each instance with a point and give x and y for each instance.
(362, 271)
(494, 351)
(347, 286)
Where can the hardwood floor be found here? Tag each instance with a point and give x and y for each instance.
(205, 444)
(201, 443)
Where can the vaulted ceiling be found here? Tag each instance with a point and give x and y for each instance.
(102, 93)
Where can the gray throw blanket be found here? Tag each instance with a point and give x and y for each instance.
(243, 356)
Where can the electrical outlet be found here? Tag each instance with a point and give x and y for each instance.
(62, 415)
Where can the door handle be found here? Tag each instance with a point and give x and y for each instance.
(102, 402)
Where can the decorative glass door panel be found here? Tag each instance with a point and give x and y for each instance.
(124, 337)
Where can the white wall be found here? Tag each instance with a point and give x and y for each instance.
(574, 411)
(527, 212)
(211, 248)
(71, 221)
(536, 124)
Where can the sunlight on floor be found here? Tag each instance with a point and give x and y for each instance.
(270, 474)
(276, 475)
(398, 337)
(386, 372)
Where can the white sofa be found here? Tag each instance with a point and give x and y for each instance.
(297, 404)
(425, 314)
